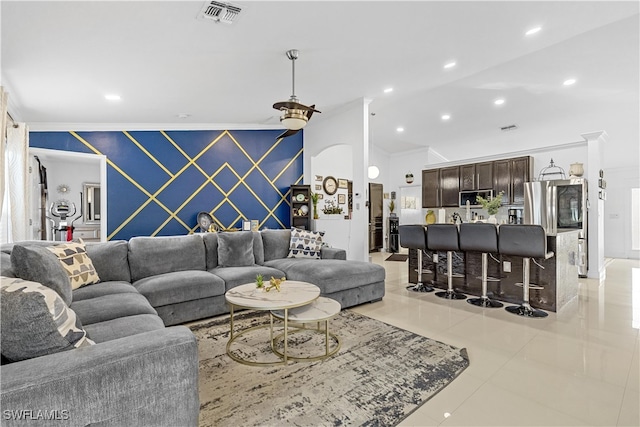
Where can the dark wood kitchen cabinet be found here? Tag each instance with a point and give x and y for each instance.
(502, 179)
(441, 187)
(431, 188)
(520, 173)
(509, 175)
(450, 186)
(476, 176)
(468, 177)
(484, 175)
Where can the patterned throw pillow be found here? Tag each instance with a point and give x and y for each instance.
(76, 263)
(305, 243)
(36, 321)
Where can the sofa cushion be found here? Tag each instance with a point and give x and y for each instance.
(109, 307)
(149, 256)
(305, 243)
(211, 249)
(171, 288)
(37, 264)
(76, 263)
(330, 275)
(124, 327)
(102, 289)
(236, 276)
(6, 269)
(36, 321)
(110, 260)
(276, 244)
(235, 249)
(258, 248)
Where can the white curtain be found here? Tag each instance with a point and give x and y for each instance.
(3, 135)
(17, 158)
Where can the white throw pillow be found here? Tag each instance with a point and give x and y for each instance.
(305, 243)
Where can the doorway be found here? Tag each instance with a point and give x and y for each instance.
(375, 217)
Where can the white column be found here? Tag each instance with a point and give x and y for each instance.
(595, 151)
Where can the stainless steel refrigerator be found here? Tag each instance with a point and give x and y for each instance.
(560, 205)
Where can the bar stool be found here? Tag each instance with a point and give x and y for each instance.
(526, 241)
(415, 237)
(444, 237)
(480, 237)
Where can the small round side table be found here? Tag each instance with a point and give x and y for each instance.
(320, 310)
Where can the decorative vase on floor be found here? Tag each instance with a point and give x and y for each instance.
(492, 219)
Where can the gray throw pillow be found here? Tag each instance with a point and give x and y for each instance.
(36, 322)
(235, 249)
(38, 264)
(110, 260)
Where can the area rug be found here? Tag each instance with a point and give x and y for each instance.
(380, 375)
(397, 257)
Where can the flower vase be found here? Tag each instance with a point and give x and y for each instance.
(315, 212)
(492, 219)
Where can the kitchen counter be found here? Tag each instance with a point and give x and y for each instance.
(559, 277)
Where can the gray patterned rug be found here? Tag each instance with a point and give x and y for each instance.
(380, 375)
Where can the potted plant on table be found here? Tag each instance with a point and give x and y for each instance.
(491, 205)
(392, 208)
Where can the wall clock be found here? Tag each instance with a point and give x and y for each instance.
(330, 185)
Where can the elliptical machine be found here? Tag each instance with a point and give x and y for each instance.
(63, 210)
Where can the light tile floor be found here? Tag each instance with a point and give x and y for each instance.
(576, 367)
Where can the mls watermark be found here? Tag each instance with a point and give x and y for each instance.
(38, 415)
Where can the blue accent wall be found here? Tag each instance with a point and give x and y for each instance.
(158, 181)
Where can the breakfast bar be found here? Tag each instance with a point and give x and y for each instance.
(556, 278)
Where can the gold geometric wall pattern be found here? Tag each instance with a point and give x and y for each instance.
(158, 181)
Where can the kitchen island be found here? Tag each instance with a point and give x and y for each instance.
(558, 275)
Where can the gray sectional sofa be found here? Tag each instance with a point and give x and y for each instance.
(141, 371)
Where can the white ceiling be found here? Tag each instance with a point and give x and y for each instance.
(59, 59)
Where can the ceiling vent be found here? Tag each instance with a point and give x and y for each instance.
(220, 12)
(508, 128)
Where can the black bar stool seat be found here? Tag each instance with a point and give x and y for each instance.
(415, 237)
(526, 241)
(444, 237)
(483, 238)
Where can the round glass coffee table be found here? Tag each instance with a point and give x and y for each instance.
(292, 294)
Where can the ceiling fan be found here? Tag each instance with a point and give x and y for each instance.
(295, 115)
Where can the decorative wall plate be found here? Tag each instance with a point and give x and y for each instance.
(204, 221)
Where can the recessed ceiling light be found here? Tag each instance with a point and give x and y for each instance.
(532, 31)
(388, 90)
(183, 115)
(445, 117)
(112, 97)
(569, 82)
(400, 129)
(499, 101)
(450, 64)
